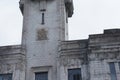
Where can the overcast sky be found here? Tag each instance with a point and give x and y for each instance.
(90, 17)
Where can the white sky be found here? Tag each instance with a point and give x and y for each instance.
(90, 17)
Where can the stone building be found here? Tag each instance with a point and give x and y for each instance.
(47, 54)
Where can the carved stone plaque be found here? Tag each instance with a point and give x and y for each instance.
(42, 34)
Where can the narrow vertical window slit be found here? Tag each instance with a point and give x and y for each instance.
(43, 20)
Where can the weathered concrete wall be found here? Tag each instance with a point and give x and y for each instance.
(40, 41)
(92, 56)
(73, 54)
(103, 48)
(12, 61)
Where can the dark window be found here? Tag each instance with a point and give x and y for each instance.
(112, 71)
(43, 19)
(74, 74)
(5, 76)
(41, 76)
(119, 65)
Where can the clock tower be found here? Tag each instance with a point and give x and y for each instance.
(44, 26)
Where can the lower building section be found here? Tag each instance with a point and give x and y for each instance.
(96, 58)
(12, 63)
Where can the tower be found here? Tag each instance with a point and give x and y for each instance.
(44, 26)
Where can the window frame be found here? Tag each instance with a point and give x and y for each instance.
(74, 71)
(112, 69)
(2, 76)
(41, 74)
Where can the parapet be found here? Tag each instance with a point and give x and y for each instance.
(7, 50)
(108, 33)
(105, 46)
(112, 31)
(73, 48)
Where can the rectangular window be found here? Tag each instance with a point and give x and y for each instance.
(119, 65)
(5, 76)
(41, 76)
(74, 74)
(112, 71)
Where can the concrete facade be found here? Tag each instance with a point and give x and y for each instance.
(12, 61)
(44, 26)
(45, 47)
(92, 55)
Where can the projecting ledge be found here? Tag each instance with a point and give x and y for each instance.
(21, 5)
(69, 7)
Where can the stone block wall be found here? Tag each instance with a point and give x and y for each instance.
(72, 54)
(12, 61)
(103, 49)
(93, 56)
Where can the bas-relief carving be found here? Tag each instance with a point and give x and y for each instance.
(42, 34)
